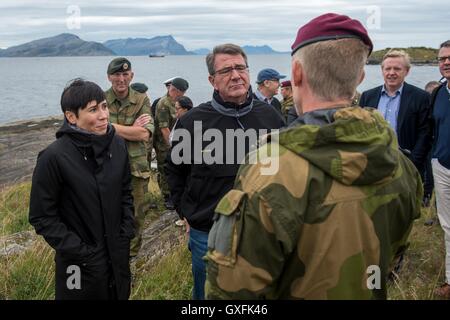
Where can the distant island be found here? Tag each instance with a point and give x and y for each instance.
(62, 45)
(419, 55)
(67, 44)
(157, 46)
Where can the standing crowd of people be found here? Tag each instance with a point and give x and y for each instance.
(352, 172)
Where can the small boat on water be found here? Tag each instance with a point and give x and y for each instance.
(156, 55)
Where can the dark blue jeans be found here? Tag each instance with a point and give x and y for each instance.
(198, 245)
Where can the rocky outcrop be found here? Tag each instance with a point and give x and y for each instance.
(16, 243)
(159, 239)
(20, 143)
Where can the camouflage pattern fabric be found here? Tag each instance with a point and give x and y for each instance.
(141, 200)
(286, 105)
(355, 100)
(125, 112)
(165, 118)
(343, 200)
(162, 180)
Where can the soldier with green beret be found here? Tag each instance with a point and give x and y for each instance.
(164, 120)
(130, 116)
(139, 87)
(336, 209)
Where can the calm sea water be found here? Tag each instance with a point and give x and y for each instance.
(31, 87)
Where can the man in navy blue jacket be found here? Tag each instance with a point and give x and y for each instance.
(441, 157)
(404, 106)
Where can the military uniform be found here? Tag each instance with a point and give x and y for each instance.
(165, 118)
(355, 100)
(341, 205)
(286, 105)
(125, 112)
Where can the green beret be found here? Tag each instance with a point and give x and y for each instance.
(119, 65)
(139, 87)
(180, 84)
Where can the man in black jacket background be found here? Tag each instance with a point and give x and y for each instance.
(201, 172)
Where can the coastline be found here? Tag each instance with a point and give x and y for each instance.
(20, 144)
(414, 63)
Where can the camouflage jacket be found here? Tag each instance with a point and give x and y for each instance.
(165, 118)
(286, 104)
(125, 112)
(334, 215)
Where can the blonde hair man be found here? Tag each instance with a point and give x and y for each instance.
(404, 106)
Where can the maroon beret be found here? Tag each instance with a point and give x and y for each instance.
(286, 83)
(330, 26)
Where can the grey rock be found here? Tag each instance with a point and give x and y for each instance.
(16, 243)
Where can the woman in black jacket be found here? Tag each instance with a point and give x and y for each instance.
(81, 200)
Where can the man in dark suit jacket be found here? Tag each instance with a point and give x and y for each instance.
(404, 106)
(268, 82)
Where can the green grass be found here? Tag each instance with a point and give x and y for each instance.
(31, 275)
(170, 279)
(424, 266)
(14, 203)
(28, 276)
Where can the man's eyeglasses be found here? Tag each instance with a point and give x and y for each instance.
(240, 68)
(442, 59)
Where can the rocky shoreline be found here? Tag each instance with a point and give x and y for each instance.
(20, 143)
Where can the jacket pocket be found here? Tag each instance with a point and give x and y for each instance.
(224, 235)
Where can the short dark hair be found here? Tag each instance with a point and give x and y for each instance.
(78, 93)
(445, 44)
(227, 48)
(432, 84)
(185, 102)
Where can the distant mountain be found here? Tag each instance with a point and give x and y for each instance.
(201, 51)
(158, 46)
(65, 44)
(259, 50)
(418, 55)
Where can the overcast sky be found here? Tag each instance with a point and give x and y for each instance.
(205, 23)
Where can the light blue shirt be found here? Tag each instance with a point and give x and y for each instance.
(388, 106)
(262, 97)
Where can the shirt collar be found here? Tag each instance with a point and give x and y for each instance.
(131, 95)
(399, 90)
(262, 97)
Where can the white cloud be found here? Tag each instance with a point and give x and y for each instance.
(204, 23)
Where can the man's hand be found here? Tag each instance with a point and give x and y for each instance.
(142, 120)
(188, 227)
